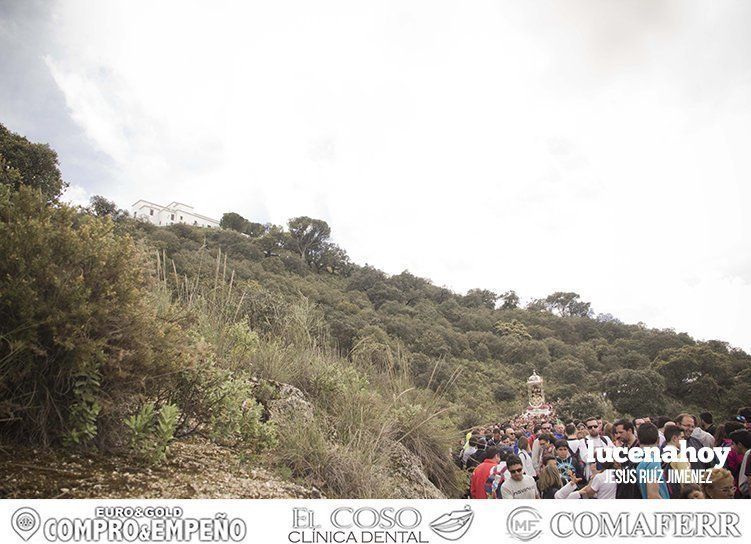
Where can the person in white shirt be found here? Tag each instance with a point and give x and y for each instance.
(538, 451)
(601, 486)
(574, 442)
(519, 485)
(598, 442)
(706, 439)
(526, 457)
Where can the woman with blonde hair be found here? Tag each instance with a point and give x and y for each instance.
(722, 486)
(549, 481)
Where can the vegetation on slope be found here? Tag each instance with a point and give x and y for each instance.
(121, 336)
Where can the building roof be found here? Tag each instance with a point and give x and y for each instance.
(171, 204)
(171, 208)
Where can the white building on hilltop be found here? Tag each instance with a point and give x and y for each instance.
(174, 212)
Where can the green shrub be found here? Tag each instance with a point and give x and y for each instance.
(340, 471)
(152, 433)
(503, 392)
(85, 407)
(220, 404)
(75, 321)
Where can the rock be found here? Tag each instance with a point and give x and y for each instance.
(407, 472)
(290, 406)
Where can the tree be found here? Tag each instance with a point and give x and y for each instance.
(503, 392)
(365, 278)
(25, 163)
(582, 405)
(9, 175)
(101, 207)
(308, 237)
(687, 369)
(273, 241)
(537, 305)
(234, 221)
(510, 300)
(334, 260)
(255, 230)
(608, 318)
(568, 370)
(480, 298)
(565, 304)
(636, 392)
(415, 289)
(512, 328)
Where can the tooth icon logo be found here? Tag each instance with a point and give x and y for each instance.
(454, 525)
(25, 522)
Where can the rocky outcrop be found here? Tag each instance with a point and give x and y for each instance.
(289, 406)
(408, 475)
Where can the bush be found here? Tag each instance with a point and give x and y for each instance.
(152, 433)
(422, 426)
(220, 404)
(75, 320)
(503, 392)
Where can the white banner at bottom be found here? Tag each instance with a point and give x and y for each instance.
(370, 521)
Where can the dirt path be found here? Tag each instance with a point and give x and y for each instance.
(195, 469)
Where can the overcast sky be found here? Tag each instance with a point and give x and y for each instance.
(594, 146)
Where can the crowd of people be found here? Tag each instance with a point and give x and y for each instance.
(545, 457)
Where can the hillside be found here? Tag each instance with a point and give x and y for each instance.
(484, 344)
(126, 346)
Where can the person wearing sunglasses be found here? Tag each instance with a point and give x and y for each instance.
(598, 442)
(519, 485)
(538, 449)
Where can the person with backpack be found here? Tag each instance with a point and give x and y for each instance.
(567, 464)
(693, 436)
(479, 455)
(497, 439)
(602, 485)
(481, 482)
(499, 472)
(542, 446)
(574, 442)
(469, 448)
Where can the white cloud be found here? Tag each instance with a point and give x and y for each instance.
(76, 195)
(596, 147)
